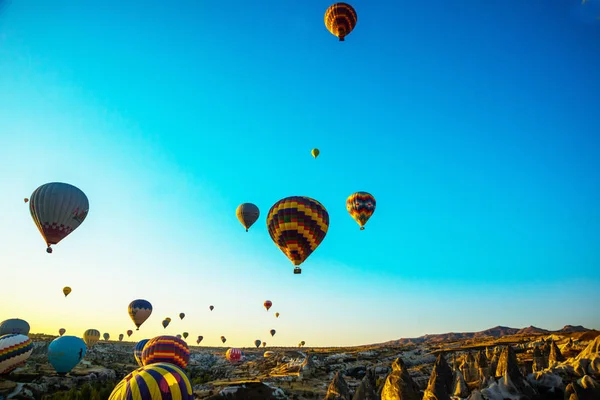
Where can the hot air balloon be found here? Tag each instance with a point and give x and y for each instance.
(303, 343)
(276, 315)
(257, 342)
(223, 339)
(267, 304)
(272, 331)
(154, 382)
(129, 333)
(137, 351)
(211, 308)
(297, 225)
(121, 336)
(361, 205)
(247, 214)
(26, 200)
(315, 153)
(264, 344)
(268, 354)
(15, 349)
(62, 331)
(168, 349)
(91, 337)
(168, 319)
(199, 339)
(57, 210)
(65, 352)
(233, 355)
(340, 20)
(165, 323)
(178, 336)
(181, 315)
(66, 291)
(14, 325)
(139, 311)
(185, 335)
(106, 336)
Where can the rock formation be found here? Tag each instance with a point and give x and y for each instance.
(338, 389)
(469, 368)
(438, 388)
(555, 356)
(539, 361)
(482, 364)
(367, 389)
(585, 388)
(512, 379)
(460, 386)
(399, 385)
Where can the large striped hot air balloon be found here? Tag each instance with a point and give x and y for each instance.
(139, 311)
(65, 352)
(297, 225)
(91, 337)
(361, 205)
(268, 304)
(137, 351)
(169, 349)
(154, 382)
(57, 210)
(247, 214)
(340, 20)
(14, 325)
(233, 355)
(15, 349)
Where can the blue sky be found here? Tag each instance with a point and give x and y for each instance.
(474, 124)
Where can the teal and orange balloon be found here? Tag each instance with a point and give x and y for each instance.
(154, 382)
(297, 225)
(139, 311)
(15, 349)
(361, 206)
(340, 20)
(57, 210)
(168, 349)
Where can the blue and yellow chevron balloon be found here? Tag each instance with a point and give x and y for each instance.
(154, 382)
(297, 225)
(361, 205)
(137, 351)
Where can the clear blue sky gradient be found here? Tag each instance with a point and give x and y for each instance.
(475, 124)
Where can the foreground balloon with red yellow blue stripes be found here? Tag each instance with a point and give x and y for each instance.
(166, 349)
(297, 225)
(154, 382)
(15, 349)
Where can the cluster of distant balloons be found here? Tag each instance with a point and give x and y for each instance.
(296, 224)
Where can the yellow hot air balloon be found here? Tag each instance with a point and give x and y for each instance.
(315, 153)
(91, 337)
(340, 20)
(66, 290)
(276, 315)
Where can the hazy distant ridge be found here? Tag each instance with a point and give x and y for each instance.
(496, 332)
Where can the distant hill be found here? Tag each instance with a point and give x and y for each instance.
(496, 332)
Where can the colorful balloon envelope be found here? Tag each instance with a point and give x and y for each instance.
(211, 308)
(276, 315)
(272, 332)
(165, 323)
(297, 225)
(15, 349)
(57, 210)
(139, 311)
(223, 339)
(91, 337)
(200, 338)
(361, 205)
(154, 382)
(62, 331)
(137, 351)
(66, 291)
(178, 336)
(14, 325)
(264, 344)
(340, 20)
(168, 349)
(65, 352)
(181, 315)
(247, 214)
(129, 333)
(268, 354)
(267, 304)
(106, 336)
(185, 335)
(121, 336)
(233, 355)
(257, 342)
(315, 153)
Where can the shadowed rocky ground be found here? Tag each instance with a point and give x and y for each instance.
(503, 364)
